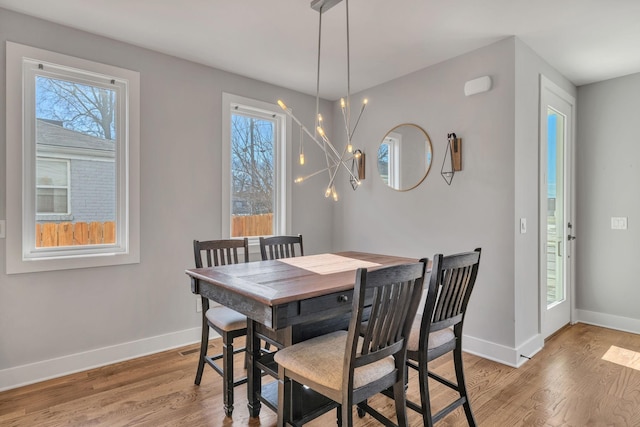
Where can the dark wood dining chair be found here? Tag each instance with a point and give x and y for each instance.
(350, 366)
(277, 247)
(438, 330)
(228, 323)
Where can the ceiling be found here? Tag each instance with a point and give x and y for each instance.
(276, 40)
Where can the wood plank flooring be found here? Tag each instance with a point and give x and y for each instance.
(567, 384)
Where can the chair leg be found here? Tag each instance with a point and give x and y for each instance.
(347, 414)
(425, 401)
(227, 367)
(204, 344)
(462, 386)
(284, 397)
(401, 404)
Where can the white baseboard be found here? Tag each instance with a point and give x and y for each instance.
(500, 353)
(40, 371)
(610, 321)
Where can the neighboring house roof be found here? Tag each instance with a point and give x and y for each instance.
(54, 140)
(52, 137)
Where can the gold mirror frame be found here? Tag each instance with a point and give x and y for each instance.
(404, 153)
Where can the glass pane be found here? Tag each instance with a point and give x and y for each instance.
(252, 192)
(555, 207)
(53, 173)
(51, 200)
(75, 124)
(383, 162)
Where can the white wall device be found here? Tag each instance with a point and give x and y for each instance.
(479, 85)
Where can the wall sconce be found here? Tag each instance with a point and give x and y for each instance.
(357, 168)
(454, 154)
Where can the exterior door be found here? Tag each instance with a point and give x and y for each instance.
(556, 222)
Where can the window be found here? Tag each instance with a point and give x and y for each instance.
(389, 159)
(72, 162)
(255, 173)
(52, 186)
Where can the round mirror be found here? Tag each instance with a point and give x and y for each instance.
(404, 157)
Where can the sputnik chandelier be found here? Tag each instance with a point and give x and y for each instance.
(335, 159)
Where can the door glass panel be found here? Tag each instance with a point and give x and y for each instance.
(556, 124)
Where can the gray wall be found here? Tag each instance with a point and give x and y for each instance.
(94, 316)
(497, 186)
(608, 173)
(476, 210)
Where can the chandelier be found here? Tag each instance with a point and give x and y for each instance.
(346, 158)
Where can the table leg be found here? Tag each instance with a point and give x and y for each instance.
(254, 375)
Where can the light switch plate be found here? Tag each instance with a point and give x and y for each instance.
(2, 228)
(523, 225)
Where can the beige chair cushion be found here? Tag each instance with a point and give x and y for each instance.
(321, 360)
(226, 319)
(436, 339)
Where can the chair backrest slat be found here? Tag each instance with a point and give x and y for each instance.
(452, 280)
(220, 252)
(395, 296)
(278, 247)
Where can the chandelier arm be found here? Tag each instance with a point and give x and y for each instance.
(364, 105)
(295, 119)
(340, 160)
(346, 121)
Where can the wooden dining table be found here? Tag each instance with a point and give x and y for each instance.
(287, 301)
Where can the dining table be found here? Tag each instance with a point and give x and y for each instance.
(287, 301)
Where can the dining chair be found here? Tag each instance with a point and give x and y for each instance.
(277, 247)
(228, 323)
(350, 366)
(438, 330)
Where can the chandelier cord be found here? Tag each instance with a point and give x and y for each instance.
(318, 72)
(348, 124)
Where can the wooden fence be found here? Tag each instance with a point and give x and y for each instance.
(74, 234)
(251, 225)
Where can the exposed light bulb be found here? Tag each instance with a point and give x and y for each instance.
(328, 192)
(319, 118)
(350, 148)
(320, 131)
(342, 103)
(281, 104)
(365, 102)
(334, 194)
(302, 158)
(299, 180)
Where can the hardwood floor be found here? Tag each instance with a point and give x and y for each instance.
(567, 384)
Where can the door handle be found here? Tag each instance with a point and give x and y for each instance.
(559, 248)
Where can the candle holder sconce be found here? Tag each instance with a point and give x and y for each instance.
(452, 162)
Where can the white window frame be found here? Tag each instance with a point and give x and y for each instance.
(394, 141)
(282, 159)
(22, 256)
(66, 187)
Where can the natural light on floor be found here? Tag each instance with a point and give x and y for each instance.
(624, 357)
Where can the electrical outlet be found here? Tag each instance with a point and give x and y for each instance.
(2, 228)
(198, 304)
(619, 223)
